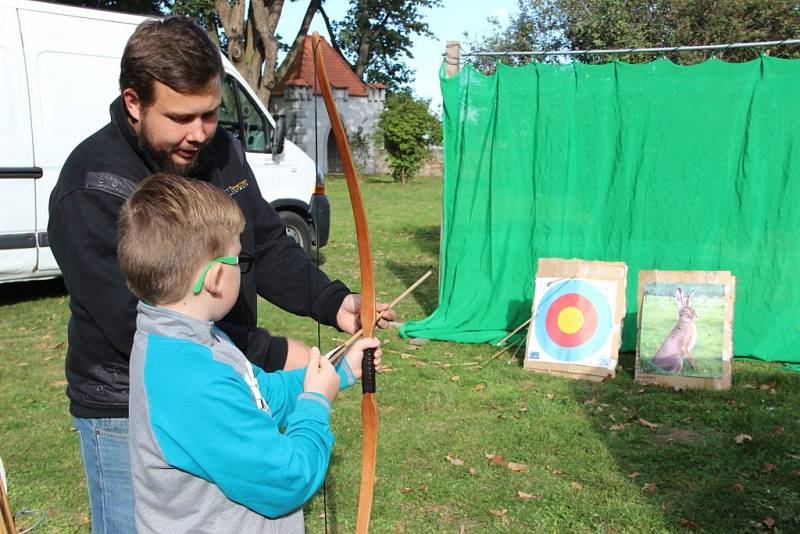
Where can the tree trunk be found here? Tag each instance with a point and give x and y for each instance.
(252, 46)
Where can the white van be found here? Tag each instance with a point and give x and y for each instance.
(59, 72)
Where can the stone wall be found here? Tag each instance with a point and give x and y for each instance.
(358, 114)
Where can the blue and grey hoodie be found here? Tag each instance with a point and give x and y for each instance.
(206, 450)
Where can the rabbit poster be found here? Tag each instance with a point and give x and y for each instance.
(577, 314)
(685, 328)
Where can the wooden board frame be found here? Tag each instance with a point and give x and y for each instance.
(591, 270)
(688, 278)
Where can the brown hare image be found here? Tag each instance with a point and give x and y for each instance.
(681, 339)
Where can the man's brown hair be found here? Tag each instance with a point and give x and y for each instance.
(174, 51)
(168, 230)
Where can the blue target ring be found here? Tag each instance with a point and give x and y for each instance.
(592, 297)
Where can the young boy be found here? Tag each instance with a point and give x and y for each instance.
(206, 451)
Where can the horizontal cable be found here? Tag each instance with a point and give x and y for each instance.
(618, 51)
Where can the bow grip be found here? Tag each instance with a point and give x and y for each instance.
(368, 371)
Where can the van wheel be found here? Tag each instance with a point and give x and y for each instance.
(297, 229)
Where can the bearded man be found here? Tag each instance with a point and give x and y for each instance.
(165, 120)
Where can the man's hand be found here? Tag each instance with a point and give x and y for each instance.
(348, 317)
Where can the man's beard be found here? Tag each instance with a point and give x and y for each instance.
(163, 158)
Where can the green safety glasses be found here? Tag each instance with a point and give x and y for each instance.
(244, 261)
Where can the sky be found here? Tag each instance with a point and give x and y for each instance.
(448, 22)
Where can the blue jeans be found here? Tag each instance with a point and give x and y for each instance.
(104, 449)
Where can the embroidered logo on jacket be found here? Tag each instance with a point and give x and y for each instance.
(235, 188)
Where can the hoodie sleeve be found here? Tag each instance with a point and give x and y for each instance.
(209, 426)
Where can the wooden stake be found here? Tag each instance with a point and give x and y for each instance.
(7, 525)
(452, 58)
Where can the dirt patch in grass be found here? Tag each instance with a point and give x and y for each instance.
(676, 435)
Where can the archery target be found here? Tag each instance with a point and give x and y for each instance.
(573, 321)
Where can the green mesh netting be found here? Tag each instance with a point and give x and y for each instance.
(657, 165)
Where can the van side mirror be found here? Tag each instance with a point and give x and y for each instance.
(278, 135)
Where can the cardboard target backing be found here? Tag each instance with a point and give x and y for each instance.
(576, 324)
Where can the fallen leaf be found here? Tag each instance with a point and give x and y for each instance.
(768, 386)
(473, 471)
(518, 468)
(523, 495)
(633, 475)
(620, 426)
(738, 488)
(766, 467)
(59, 383)
(648, 424)
(423, 488)
(649, 487)
(741, 438)
(624, 409)
(590, 401)
(577, 486)
(405, 356)
(557, 472)
(611, 416)
(455, 461)
(462, 529)
(479, 387)
(550, 396)
(496, 459)
(768, 522)
(58, 345)
(455, 378)
(749, 386)
(406, 490)
(689, 524)
(777, 430)
(499, 513)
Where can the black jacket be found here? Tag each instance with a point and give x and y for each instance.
(95, 181)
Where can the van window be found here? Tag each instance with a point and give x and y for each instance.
(240, 115)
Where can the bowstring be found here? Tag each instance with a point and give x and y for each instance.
(316, 218)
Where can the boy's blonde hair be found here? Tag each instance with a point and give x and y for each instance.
(168, 230)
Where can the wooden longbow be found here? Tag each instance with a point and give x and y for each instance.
(369, 405)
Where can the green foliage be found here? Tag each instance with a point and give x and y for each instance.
(604, 24)
(375, 36)
(408, 130)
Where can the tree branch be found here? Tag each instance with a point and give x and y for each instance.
(334, 41)
(299, 40)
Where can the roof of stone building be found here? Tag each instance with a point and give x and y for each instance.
(301, 72)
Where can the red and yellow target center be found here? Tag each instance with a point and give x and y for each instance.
(570, 320)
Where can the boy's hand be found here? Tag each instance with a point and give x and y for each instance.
(356, 354)
(321, 376)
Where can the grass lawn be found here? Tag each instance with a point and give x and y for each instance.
(467, 445)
